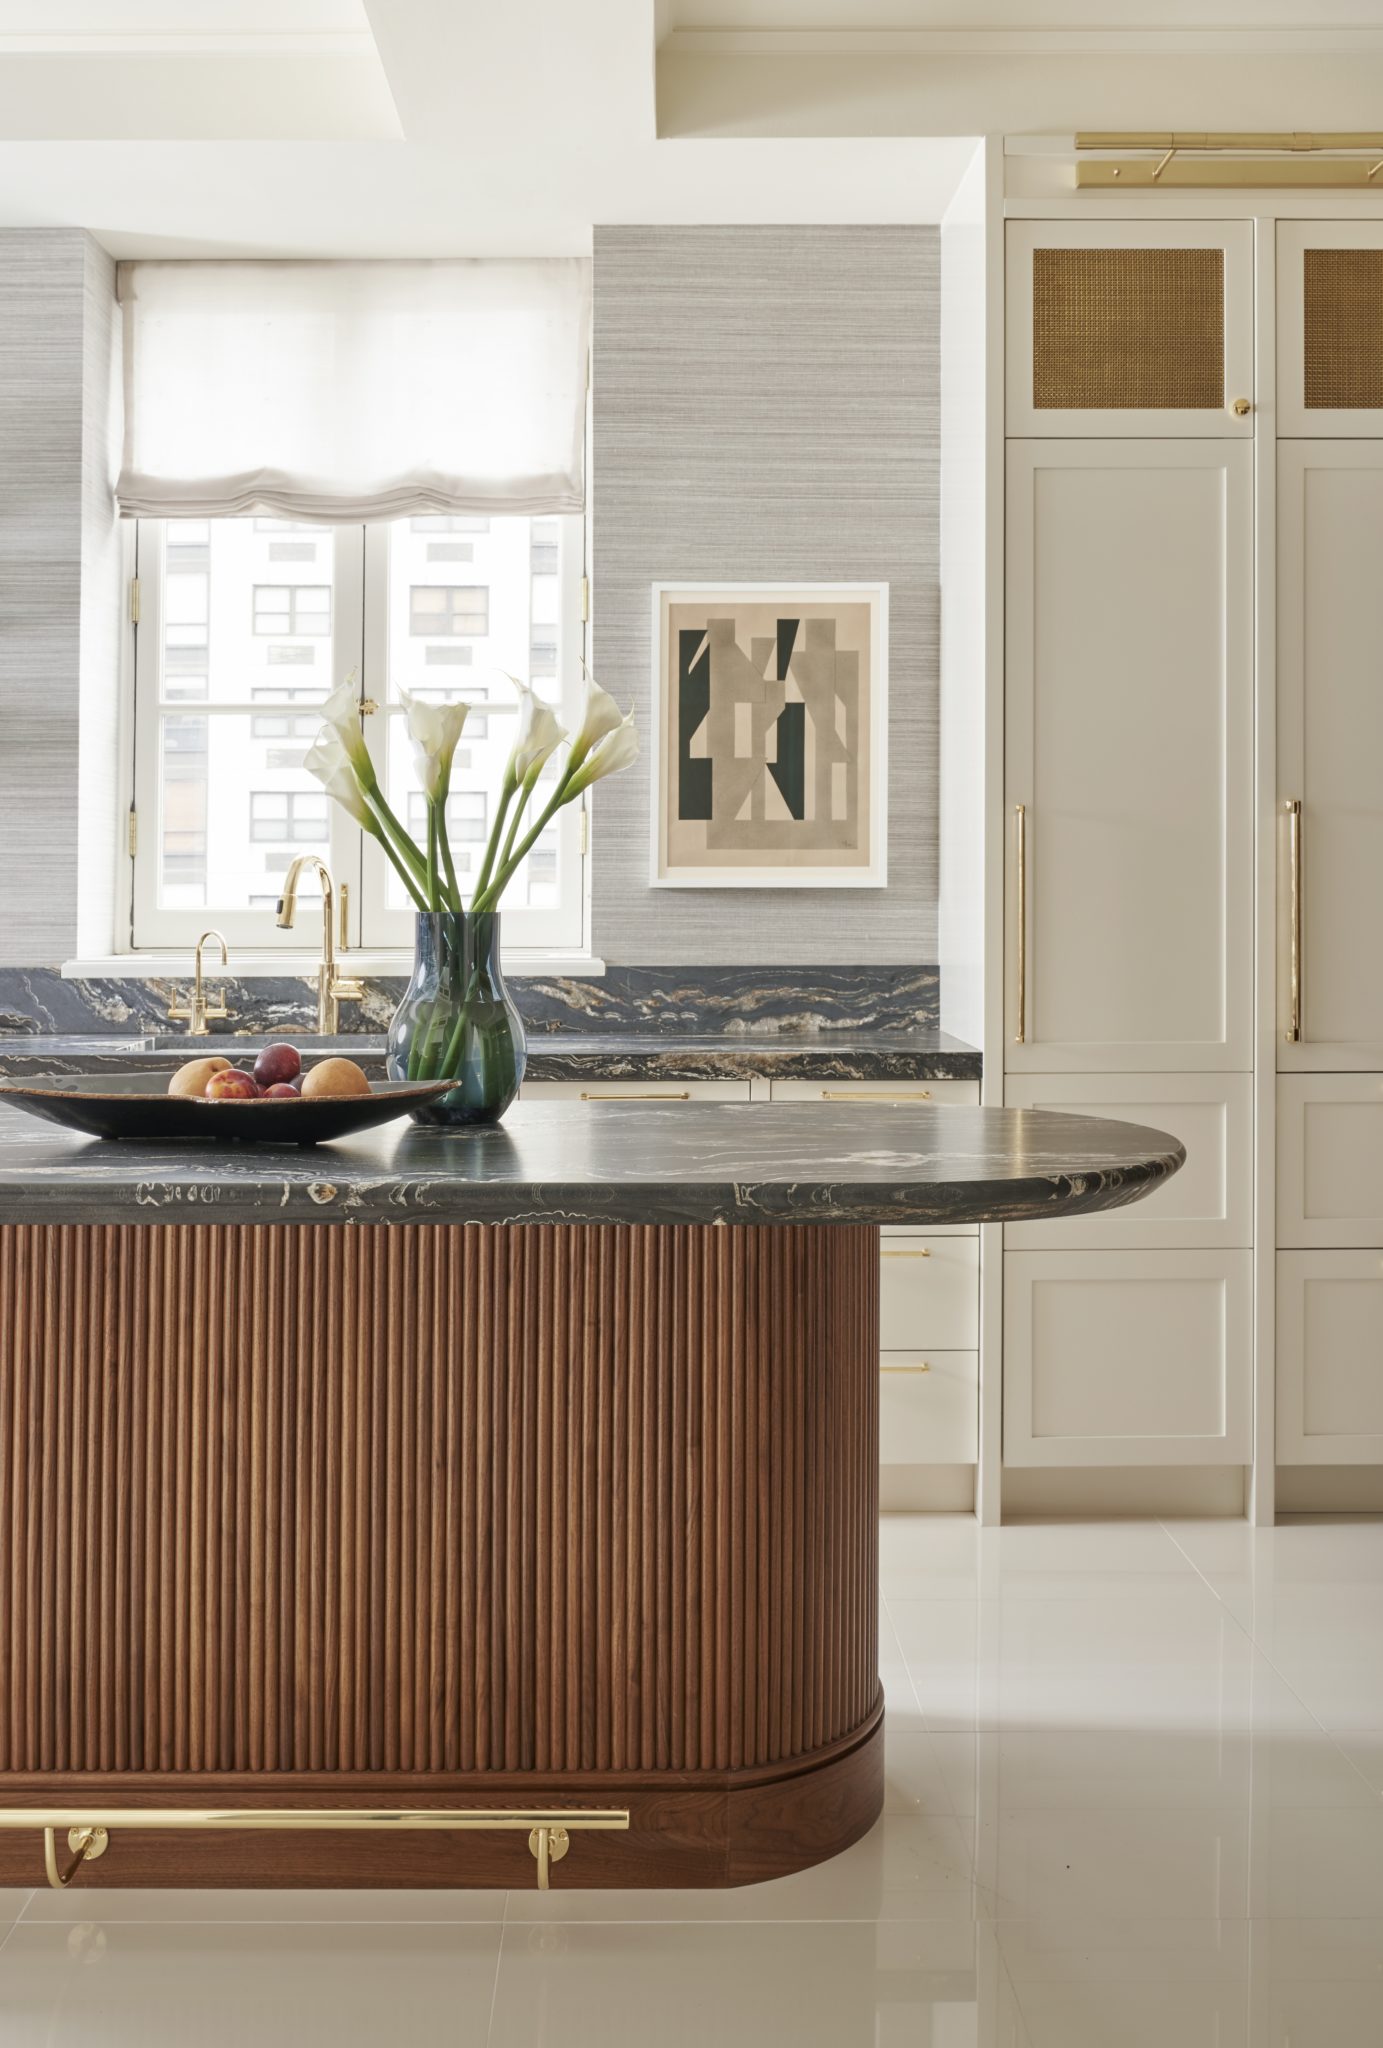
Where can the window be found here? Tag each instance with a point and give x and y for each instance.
(437, 609)
(232, 662)
(450, 522)
(290, 815)
(292, 607)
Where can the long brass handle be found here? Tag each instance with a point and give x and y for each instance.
(1293, 1031)
(637, 1095)
(921, 1253)
(904, 1368)
(89, 1829)
(1020, 817)
(845, 1095)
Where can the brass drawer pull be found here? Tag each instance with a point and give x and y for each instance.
(845, 1095)
(1293, 1031)
(905, 1368)
(88, 1832)
(637, 1095)
(922, 1252)
(1020, 821)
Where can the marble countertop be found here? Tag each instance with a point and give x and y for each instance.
(572, 1056)
(556, 1162)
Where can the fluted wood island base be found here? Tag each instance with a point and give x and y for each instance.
(579, 1516)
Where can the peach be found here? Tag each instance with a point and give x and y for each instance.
(231, 1084)
(335, 1077)
(283, 1090)
(192, 1078)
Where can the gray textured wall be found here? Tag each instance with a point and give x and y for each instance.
(766, 405)
(54, 323)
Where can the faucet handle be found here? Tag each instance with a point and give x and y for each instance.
(347, 989)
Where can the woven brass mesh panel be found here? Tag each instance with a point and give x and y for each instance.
(1343, 327)
(1128, 328)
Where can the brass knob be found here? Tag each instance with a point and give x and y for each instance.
(1241, 408)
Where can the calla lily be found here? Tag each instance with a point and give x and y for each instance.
(434, 730)
(538, 733)
(600, 717)
(617, 748)
(341, 712)
(329, 761)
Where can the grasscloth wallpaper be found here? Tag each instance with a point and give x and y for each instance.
(766, 404)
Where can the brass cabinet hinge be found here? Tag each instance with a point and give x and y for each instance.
(585, 832)
(132, 831)
(134, 600)
(585, 600)
(368, 707)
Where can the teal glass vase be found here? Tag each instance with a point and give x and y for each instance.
(458, 1020)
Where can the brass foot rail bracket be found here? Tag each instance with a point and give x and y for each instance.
(89, 1832)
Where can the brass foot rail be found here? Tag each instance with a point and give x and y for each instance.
(89, 1830)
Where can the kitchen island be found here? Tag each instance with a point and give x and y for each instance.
(436, 1547)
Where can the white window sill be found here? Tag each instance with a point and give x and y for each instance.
(295, 963)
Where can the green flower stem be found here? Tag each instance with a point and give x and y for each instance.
(376, 831)
(433, 898)
(444, 841)
(489, 898)
(506, 796)
(402, 842)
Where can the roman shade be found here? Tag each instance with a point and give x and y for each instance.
(353, 391)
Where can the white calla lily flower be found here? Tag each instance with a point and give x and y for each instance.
(600, 716)
(544, 735)
(329, 761)
(434, 730)
(617, 749)
(341, 712)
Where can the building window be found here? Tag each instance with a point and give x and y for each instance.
(436, 610)
(448, 522)
(287, 815)
(232, 663)
(292, 607)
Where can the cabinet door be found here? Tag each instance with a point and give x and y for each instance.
(1130, 327)
(874, 1091)
(1329, 1358)
(1127, 1358)
(1330, 1160)
(1330, 753)
(1330, 327)
(929, 1408)
(1129, 751)
(671, 1090)
(1209, 1203)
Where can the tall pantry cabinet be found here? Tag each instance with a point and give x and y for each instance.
(1191, 937)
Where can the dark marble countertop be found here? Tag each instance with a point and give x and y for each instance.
(845, 1055)
(610, 1163)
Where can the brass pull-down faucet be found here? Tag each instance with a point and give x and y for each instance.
(332, 989)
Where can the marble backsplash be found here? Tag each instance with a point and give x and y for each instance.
(724, 1001)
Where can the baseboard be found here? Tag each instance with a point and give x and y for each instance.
(1117, 1490)
(1330, 1489)
(927, 1489)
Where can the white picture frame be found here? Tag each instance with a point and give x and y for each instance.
(868, 867)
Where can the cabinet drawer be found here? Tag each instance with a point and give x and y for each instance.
(929, 1408)
(1209, 1203)
(898, 1092)
(928, 1291)
(1127, 1358)
(635, 1091)
(1329, 1358)
(1330, 1160)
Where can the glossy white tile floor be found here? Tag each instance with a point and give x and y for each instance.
(1135, 1800)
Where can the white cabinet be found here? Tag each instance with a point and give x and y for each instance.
(1127, 1358)
(1209, 1203)
(928, 1291)
(897, 1093)
(1121, 327)
(1129, 756)
(1329, 1358)
(928, 1408)
(1330, 753)
(1329, 323)
(1330, 1160)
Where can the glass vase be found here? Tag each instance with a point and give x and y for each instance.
(457, 1019)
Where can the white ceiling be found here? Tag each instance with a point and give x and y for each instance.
(455, 127)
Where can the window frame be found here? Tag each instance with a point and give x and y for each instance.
(359, 639)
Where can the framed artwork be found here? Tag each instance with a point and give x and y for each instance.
(770, 735)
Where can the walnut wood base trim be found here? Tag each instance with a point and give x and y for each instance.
(688, 1833)
(446, 1513)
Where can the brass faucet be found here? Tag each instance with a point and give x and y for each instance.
(332, 990)
(199, 1011)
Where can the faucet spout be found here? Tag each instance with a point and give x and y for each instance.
(331, 989)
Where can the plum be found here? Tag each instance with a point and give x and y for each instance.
(283, 1090)
(277, 1063)
(232, 1084)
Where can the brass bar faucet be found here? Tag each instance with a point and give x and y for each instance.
(198, 1010)
(332, 989)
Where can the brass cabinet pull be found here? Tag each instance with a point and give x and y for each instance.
(847, 1095)
(1020, 820)
(905, 1368)
(88, 1832)
(637, 1095)
(921, 1253)
(1293, 1031)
